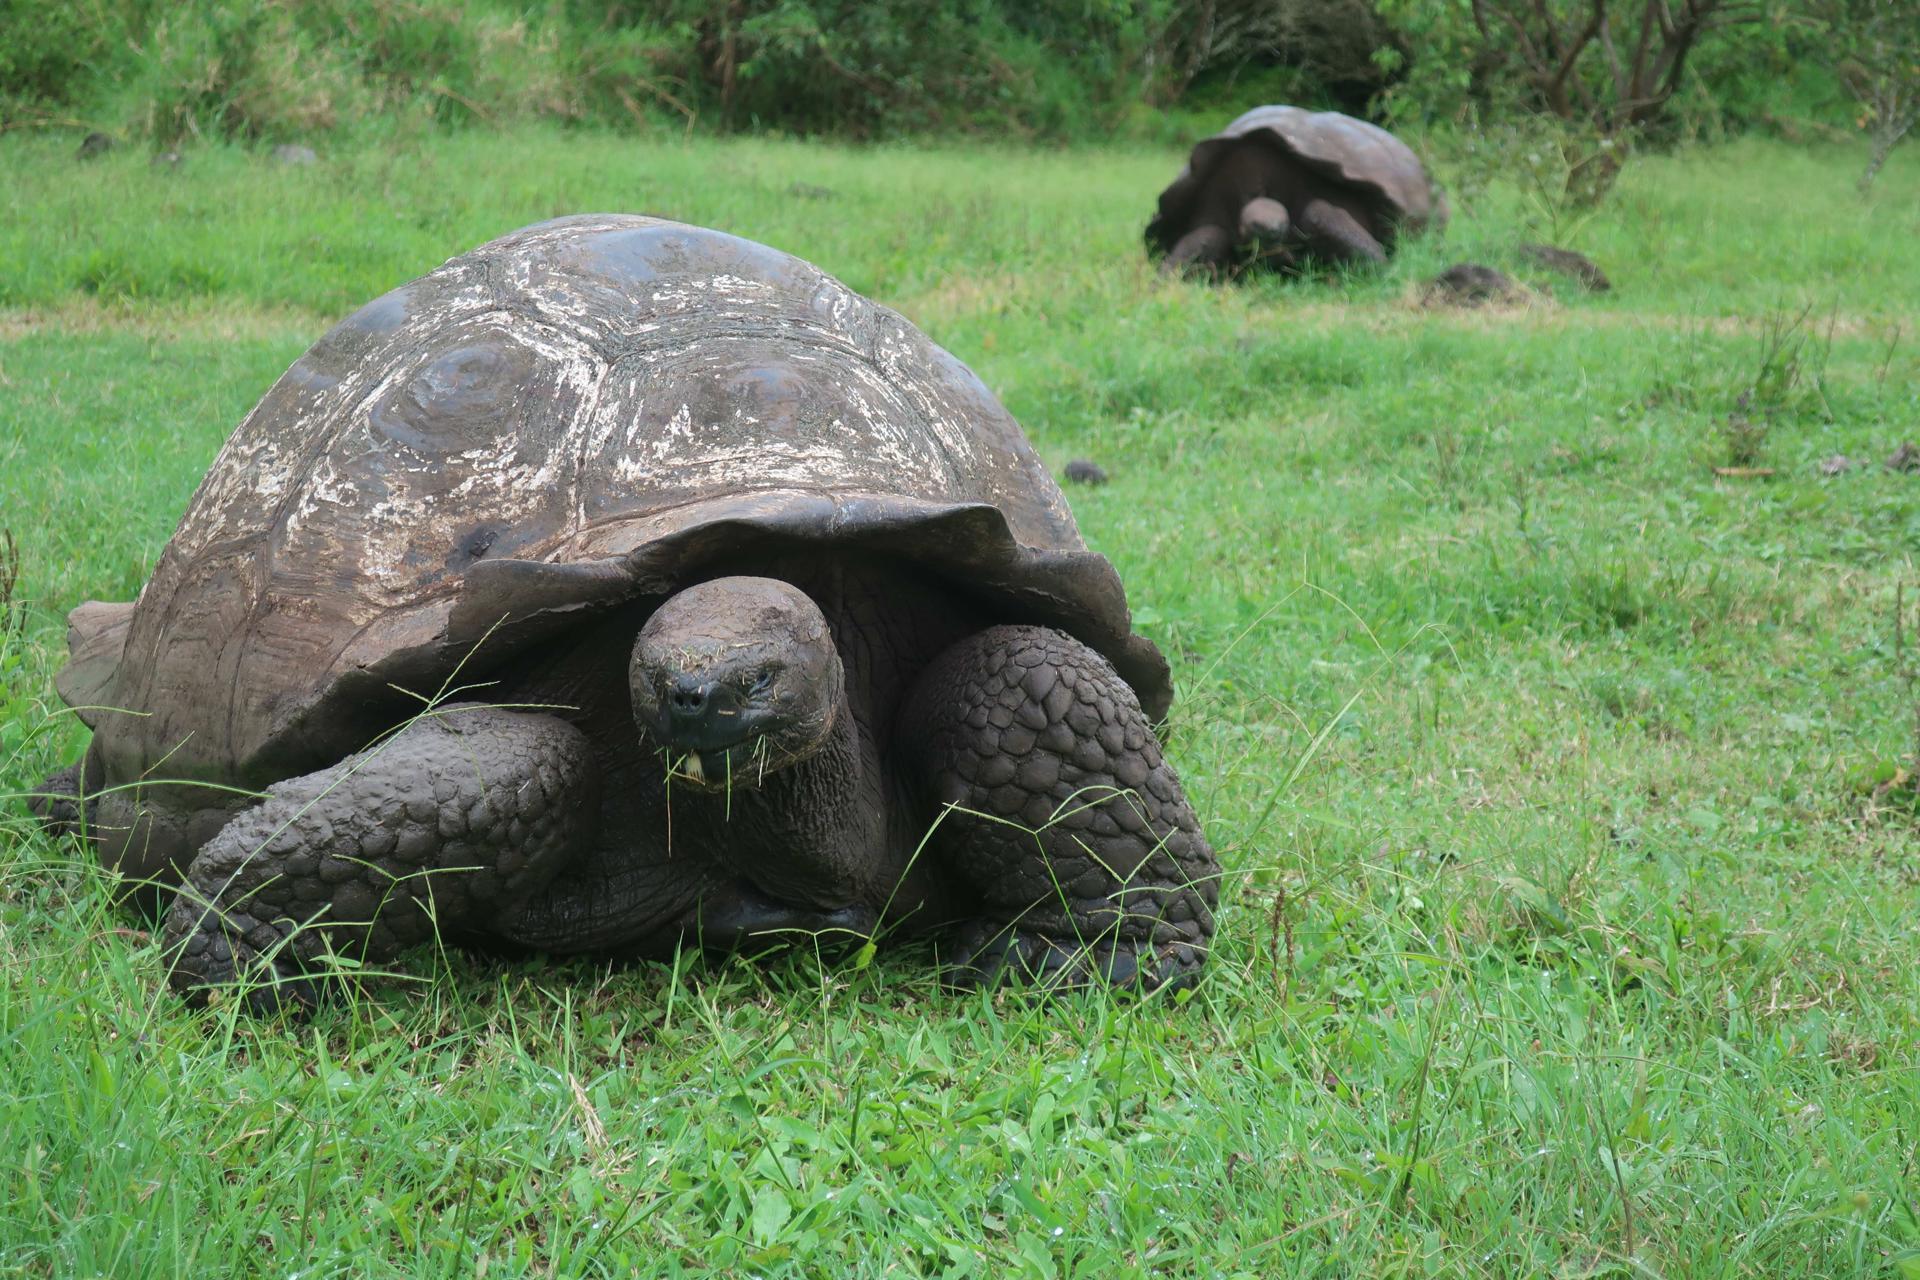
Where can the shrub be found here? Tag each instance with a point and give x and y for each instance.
(47, 50)
(1873, 47)
(1605, 71)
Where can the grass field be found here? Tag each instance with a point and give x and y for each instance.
(1569, 930)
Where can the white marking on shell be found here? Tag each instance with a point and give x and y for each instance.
(426, 500)
(679, 429)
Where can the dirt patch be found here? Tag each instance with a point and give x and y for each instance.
(186, 321)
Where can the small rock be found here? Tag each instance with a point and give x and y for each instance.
(94, 144)
(1086, 471)
(1838, 463)
(1468, 284)
(1904, 458)
(1568, 263)
(808, 191)
(288, 153)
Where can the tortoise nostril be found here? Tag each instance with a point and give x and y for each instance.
(688, 696)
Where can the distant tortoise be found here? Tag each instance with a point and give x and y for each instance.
(1469, 284)
(1289, 185)
(622, 585)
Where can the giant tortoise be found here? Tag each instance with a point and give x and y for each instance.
(1288, 185)
(622, 586)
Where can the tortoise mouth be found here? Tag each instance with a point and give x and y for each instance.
(743, 764)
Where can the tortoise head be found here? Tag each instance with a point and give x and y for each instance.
(1265, 221)
(734, 679)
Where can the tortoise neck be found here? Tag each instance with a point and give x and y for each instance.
(800, 834)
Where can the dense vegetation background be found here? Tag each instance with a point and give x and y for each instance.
(1044, 69)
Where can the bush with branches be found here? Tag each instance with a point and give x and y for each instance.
(1604, 72)
(1873, 47)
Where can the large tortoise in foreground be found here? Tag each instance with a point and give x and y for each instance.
(619, 586)
(1287, 185)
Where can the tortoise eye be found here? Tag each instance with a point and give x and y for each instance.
(763, 680)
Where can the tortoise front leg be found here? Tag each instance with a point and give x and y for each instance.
(457, 815)
(1205, 248)
(1064, 816)
(1336, 235)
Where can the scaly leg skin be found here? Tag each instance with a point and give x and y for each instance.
(1336, 235)
(1203, 249)
(1066, 818)
(438, 827)
(58, 805)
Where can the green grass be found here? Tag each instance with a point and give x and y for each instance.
(1565, 933)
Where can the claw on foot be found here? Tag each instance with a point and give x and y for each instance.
(991, 954)
(57, 804)
(208, 951)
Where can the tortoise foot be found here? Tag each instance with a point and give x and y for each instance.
(57, 805)
(213, 950)
(991, 953)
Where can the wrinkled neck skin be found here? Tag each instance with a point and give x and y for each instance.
(835, 827)
(807, 833)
